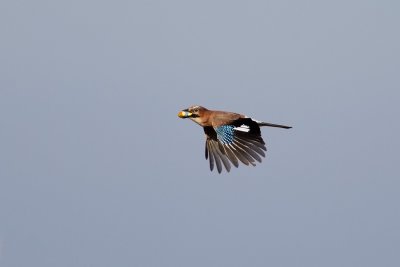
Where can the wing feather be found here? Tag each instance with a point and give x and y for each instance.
(215, 156)
(210, 155)
(221, 156)
(240, 140)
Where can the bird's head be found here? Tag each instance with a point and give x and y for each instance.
(194, 113)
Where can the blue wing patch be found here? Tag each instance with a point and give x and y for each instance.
(225, 134)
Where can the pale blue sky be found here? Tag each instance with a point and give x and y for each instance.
(98, 170)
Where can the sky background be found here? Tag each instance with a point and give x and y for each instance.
(96, 169)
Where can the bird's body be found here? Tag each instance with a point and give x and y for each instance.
(230, 137)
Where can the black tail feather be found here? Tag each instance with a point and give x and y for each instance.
(273, 125)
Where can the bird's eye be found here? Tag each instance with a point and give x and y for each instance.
(196, 110)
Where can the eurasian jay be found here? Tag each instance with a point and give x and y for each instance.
(230, 137)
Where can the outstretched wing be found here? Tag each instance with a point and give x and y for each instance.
(239, 141)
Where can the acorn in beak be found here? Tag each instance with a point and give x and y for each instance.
(184, 114)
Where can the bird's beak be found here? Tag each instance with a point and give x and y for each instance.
(184, 114)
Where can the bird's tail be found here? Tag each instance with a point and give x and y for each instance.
(261, 123)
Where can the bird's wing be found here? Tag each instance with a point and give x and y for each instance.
(238, 141)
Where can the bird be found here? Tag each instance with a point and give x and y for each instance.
(230, 137)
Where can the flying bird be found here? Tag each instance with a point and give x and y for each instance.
(230, 137)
